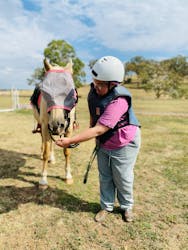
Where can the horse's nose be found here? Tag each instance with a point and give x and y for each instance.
(61, 125)
(57, 128)
(53, 128)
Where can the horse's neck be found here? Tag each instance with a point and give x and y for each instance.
(43, 111)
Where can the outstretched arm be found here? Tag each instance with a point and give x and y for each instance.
(86, 135)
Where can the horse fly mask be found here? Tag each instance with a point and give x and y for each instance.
(59, 92)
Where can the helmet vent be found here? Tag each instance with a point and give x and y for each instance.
(94, 73)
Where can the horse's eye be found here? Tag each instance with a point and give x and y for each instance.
(62, 125)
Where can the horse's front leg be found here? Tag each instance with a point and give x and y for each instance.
(52, 155)
(46, 154)
(68, 175)
(41, 148)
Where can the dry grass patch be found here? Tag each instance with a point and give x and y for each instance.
(61, 217)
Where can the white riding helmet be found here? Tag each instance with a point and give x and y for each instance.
(108, 68)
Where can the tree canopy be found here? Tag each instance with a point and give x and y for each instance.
(59, 52)
(164, 77)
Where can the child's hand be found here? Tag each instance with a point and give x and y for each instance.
(64, 142)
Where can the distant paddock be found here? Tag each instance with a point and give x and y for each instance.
(11, 100)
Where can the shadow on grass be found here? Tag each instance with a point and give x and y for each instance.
(11, 196)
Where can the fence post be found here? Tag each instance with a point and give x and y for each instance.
(15, 98)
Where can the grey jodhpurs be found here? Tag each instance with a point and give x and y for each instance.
(116, 174)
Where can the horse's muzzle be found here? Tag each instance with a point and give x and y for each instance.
(56, 130)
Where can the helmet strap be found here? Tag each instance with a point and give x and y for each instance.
(109, 86)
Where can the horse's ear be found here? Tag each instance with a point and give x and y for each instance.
(47, 65)
(69, 66)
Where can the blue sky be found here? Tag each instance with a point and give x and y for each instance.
(154, 29)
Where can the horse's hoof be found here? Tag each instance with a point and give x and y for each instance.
(69, 181)
(43, 184)
(42, 187)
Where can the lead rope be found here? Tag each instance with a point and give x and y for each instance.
(92, 157)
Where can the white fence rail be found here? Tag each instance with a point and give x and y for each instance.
(15, 102)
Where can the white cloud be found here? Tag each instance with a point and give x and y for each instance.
(143, 25)
(124, 26)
